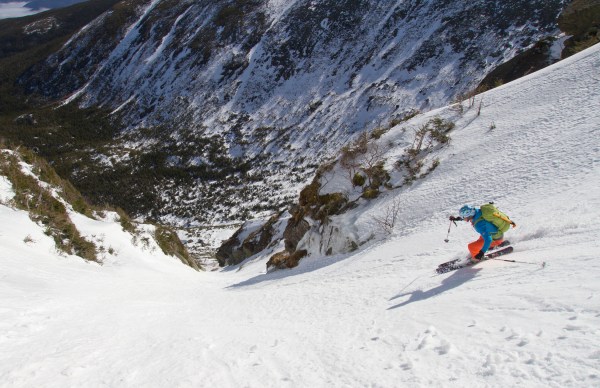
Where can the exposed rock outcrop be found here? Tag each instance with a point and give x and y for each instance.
(311, 206)
(531, 60)
(26, 119)
(285, 259)
(582, 20)
(247, 241)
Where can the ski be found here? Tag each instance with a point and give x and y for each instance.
(456, 264)
(501, 245)
(499, 252)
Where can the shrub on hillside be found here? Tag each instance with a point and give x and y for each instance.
(171, 245)
(363, 162)
(44, 209)
(432, 134)
(358, 180)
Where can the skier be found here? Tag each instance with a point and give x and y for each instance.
(489, 222)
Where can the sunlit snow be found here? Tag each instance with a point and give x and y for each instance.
(377, 317)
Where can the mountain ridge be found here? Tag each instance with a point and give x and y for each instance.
(221, 94)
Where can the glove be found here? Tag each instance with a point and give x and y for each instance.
(452, 218)
(479, 256)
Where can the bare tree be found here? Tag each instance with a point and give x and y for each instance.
(349, 158)
(390, 217)
(371, 162)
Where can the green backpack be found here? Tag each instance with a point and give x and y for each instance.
(490, 213)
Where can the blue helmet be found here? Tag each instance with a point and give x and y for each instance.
(467, 211)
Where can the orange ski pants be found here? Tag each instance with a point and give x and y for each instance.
(476, 246)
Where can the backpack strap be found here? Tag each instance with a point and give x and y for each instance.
(505, 218)
(498, 215)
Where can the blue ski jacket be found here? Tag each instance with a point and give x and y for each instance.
(485, 228)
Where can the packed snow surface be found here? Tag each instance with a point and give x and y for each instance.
(379, 317)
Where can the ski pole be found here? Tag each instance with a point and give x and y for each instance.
(543, 263)
(448, 235)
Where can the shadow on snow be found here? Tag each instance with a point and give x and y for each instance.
(457, 279)
(310, 265)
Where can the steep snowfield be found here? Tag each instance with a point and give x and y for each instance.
(378, 317)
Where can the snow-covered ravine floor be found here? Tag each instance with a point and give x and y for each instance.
(376, 318)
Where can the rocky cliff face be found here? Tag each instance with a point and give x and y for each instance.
(581, 20)
(233, 104)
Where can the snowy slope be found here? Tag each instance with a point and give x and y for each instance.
(377, 317)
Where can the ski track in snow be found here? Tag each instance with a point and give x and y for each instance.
(377, 318)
